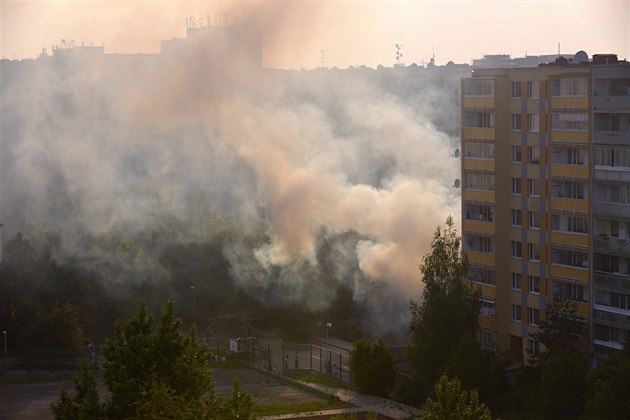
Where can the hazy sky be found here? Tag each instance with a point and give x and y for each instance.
(351, 32)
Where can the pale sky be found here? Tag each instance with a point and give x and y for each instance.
(350, 32)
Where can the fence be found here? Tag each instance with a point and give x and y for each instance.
(48, 362)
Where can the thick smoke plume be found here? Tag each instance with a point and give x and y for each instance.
(320, 160)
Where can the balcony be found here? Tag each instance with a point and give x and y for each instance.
(479, 226)
(612, 281)
(564, 272)
(570, 238)
(612, 245)
(478, 102)
(479, 196)
(569, 204)
(611, 210)
(610, 103)
(611, 174)
(568, 136)
(571, 171)
(479, 164)
(569, 102)
(617, 138)
(479, 133)
(481, 258)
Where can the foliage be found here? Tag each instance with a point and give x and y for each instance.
(448, 311)
(477, 368)
(373, 368)
(453, 403)
(608, 387)
(239, 406)
(559, 393)
(561, 330)
(84, 403)
(160, 401)
(58, 327)
(142, 355)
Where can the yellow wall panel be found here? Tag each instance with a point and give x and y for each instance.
(478, 101)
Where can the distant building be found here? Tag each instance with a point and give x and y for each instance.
(546, 198)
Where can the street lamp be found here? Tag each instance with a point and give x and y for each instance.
(2, 243)
(328, 325)
(194, 304)
(6, 373)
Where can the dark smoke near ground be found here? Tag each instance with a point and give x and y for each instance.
(302, 184)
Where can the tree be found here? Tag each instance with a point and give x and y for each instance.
(561, 330)
(608, 387)
(453, 403)
(449, 309)
(142, 355)
(58, 327)
(83, 404)
(238, 407)
(372, 368)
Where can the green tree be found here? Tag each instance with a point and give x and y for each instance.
(240, 406)
(449, 309)
(608, 387)
(143, 354)
(58, 327)
(373, 368)
(561, 330)
(83, 404)
(452, 403)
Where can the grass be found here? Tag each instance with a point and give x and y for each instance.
(323, 380)
(278, 409)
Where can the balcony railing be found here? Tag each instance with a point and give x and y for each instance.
(612, 245)
(612, 210)
(611, 280)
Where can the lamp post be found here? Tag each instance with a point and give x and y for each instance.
(6, 373)
(194, 304)
(2, 243)
(328, 325)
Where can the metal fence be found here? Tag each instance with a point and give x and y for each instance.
(48, 362)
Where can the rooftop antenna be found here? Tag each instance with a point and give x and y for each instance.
(323, 58)
(558, 49)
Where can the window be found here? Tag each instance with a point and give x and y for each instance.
(569, 155)
(573, 121)
(478, 150)
(515, 248)
(533, 316)
(533, 89)
(478, 87)
(515, 151)
(481, 275)
(614, 228)
(516, 122)
(516, 281)
(568, 257)
(613, 157)
(516, 185)
(614, 299)
(533, 187)
(481, 213)
(569, 291)
(516, 313)
(480, 244)
(533, 154)
(479, 119)
(478, 181)
(486, 339)
(533, 122)
(574, 190)
(516, 89)
(533, 252)
(515, 215)
(533, 219)
(573, 87)
(534, 284)
(533, 347)
(487, 307)
(577, 224)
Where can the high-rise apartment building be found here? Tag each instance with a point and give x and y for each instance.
(544, 186)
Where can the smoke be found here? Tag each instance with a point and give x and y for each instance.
(323, 160)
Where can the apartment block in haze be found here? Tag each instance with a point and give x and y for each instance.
(546, 198)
